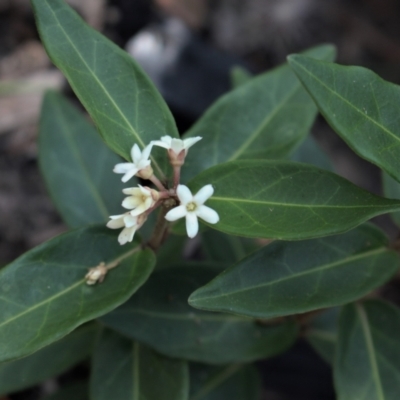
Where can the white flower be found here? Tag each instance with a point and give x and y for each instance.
(176, 145)
(140, 162)
(192, 207)
(141, 199)
(130, 224)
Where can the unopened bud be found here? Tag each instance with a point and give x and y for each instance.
(96, 274)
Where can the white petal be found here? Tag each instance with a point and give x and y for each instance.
(136, 154)
(129, 220)
(116, 223)
(184, 194)
(161, 144)
(208, 214)
(142, 164)
(166, 139)
(203, 194)
(134, 191)
(176, 213)
(191, 141)
(131, 202)
(144, 191)
(123, 168)
(126, 235)
(139, 209)
(192, 224)
(130, 174)
(177, 145)
(146, 151)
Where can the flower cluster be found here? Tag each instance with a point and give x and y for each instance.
(142, 200)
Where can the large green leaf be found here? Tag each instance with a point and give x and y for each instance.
(391, 189)
(73, 391)
(44, 294)
(118, 95)
(124, 369)
(49, 361)
(159, 316)
(360, 106)
(77, 165)
(286, 200)
(286, 278)
(233, 382)
(239, 76)
(321, 333)
(367, 364)
(267, 117)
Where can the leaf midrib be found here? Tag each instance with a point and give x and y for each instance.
(294, 276)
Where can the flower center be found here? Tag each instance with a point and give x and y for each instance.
(191, 206)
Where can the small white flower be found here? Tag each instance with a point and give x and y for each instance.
(140, 162)
(192, 207)
(130, 224)
(140, 199)
(176, 145)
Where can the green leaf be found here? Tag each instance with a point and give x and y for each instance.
(321, 333)
(309, 152)
(226, 249)
(171, 252)
(360, 106)
(239, 76)
(287, 278)
(367, 364)
(391, 189)
(124, 369)
(121, 99)
(265, 118)
(286, 200)
(233, 382)
(159, 316)
(44, 294)
(77, 165)
(49, 361)
(73, 391)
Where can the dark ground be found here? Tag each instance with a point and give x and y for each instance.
(210, 38)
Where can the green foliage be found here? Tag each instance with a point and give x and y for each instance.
(360, 106)
(49, 361)
(73, 391)
(265, 118)
(45, 295)
(126, 369)
(285, 200)
(391, 189)
(317, 273)
(118, 95)
(76, 165)
(367, 364)
(239, 76)
(159, 316)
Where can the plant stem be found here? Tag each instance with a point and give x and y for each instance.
(157, 183)
(177, 176)
(159, 230)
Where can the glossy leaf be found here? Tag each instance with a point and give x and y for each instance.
(286, 278)
(309, 152)
(49, 361)
(226, 249)
(239, 76)
(321, 333)
(359, 105)
(391, 189)
(367, 365)
(73, 391)
(286, 200)
(159, 316)
(266, 117)
(44, 295)
(118, 95)
(77, 165)
(124, 369)
(233, 382)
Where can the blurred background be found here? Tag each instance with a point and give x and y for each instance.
(188, 47)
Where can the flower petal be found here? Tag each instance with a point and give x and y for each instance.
(129, 220)
(130, 174)
(161, 144)
(131, 202)
(177, 145)
(184, 194)
(116, 223)
(126, 235)
(140, 209)
(207, 214)
(123, 168)
(176, 213)
(203, 194)
(136, 154)
(191, 141)
(134, 191)
(192, 224)
(146, 151)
